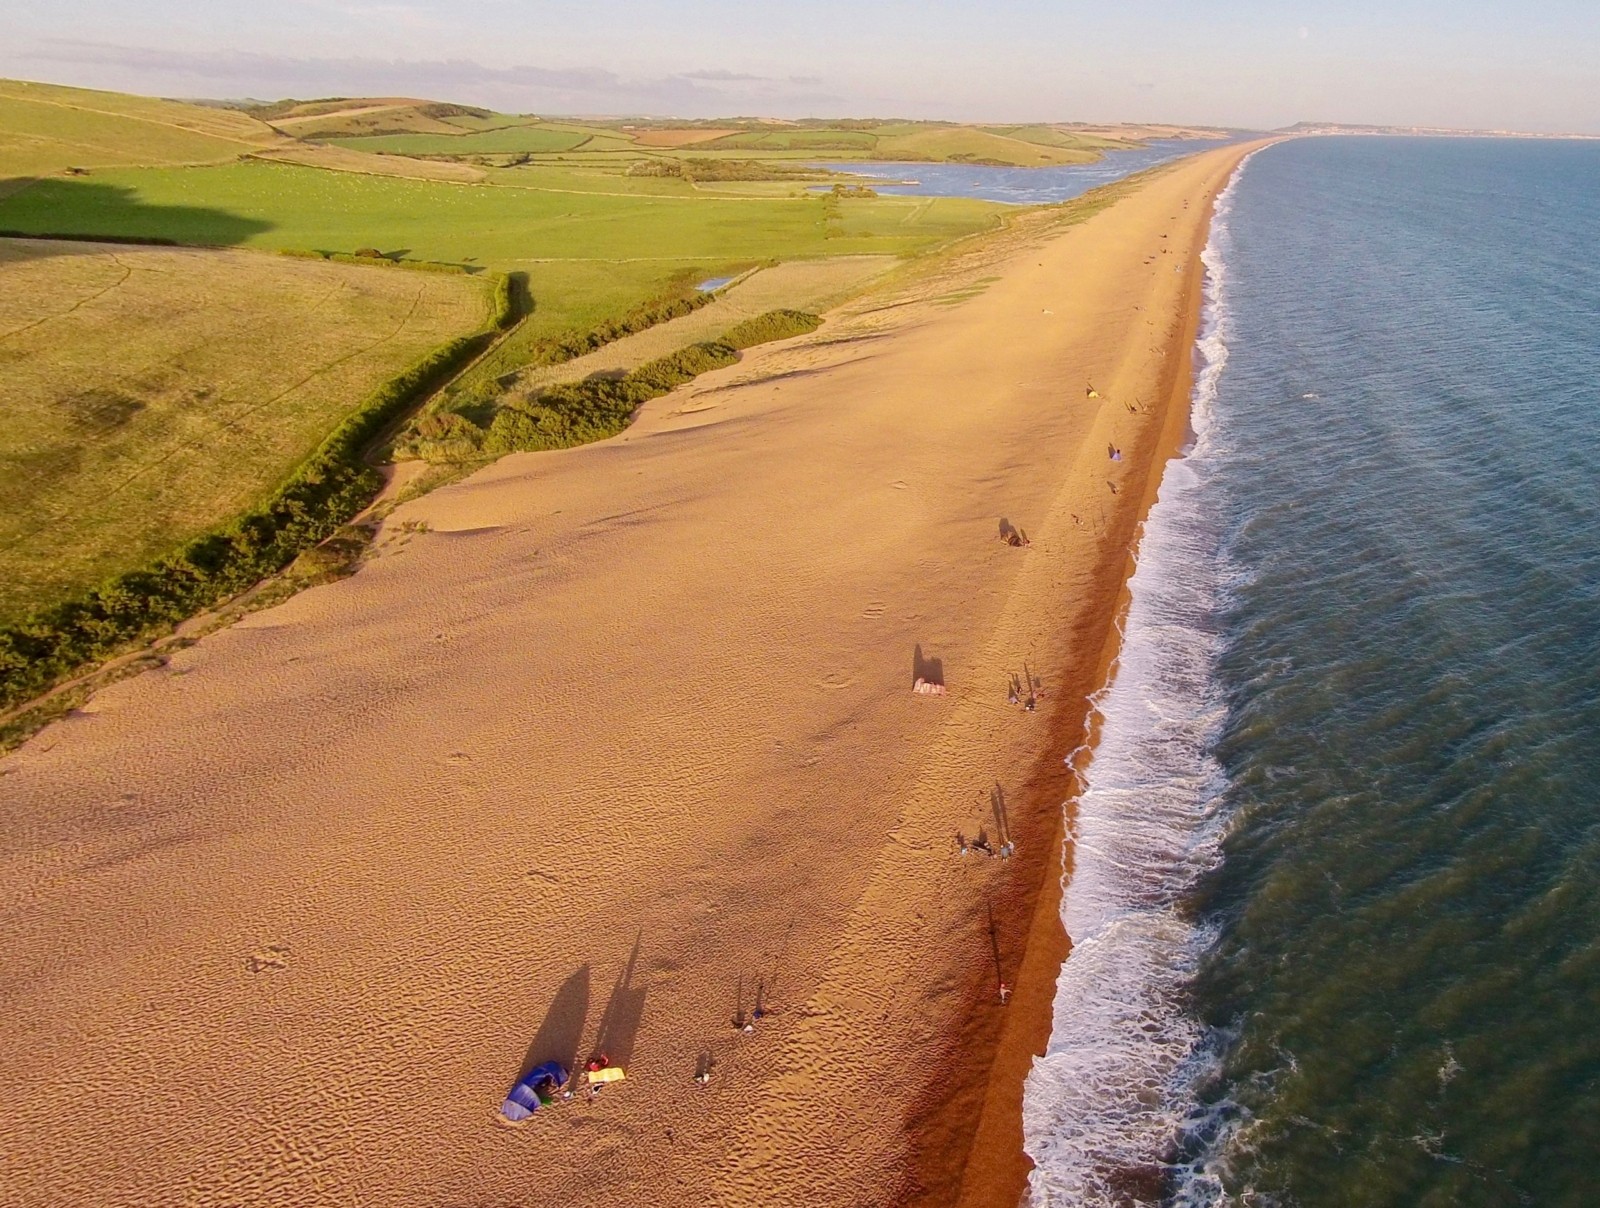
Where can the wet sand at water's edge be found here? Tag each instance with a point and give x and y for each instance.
(600, 745)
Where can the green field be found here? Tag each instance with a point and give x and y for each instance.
(591, 244)
(152, 394)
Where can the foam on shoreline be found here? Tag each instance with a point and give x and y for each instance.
(1105, 1104)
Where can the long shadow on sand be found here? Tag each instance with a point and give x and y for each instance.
(929, 670)
(619, 1026)
(561, 1032)
(1002, 820)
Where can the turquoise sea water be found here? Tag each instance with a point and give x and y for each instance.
(1337, 906)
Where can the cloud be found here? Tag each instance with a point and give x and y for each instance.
(708, 92)
(720, 74)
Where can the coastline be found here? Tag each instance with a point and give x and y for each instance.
(601, 748)
(996, 1169)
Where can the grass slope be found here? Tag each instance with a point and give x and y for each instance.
(416, 128)
(46, 128)
(370, 115)
(152, 394)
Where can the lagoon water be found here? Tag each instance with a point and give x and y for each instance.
(1336, 903)
(1020, 186)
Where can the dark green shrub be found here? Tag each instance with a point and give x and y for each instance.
(774, 325)
(579, 412)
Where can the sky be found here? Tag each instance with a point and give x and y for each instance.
(1476, 64)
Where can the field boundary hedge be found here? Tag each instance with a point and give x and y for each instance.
(325, 491)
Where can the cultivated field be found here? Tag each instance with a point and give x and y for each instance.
(150, 394)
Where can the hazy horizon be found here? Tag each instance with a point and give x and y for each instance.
(1413, 63)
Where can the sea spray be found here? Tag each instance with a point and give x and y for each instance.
(1104, 1107)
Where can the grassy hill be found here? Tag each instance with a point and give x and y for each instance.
(410, 129)
(47, 128)
(367, 115)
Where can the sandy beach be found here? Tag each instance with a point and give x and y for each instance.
(602, 750)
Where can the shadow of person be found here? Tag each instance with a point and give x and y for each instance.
(1007, 529)
(619, 1026)
(928, 670)
(559, 1035)
(1002, 824)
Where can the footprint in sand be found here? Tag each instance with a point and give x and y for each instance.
(873, 611)
(269, 958)
(837, 679)
(537, 876)
(898, 484)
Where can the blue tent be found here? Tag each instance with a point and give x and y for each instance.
(538, 1085)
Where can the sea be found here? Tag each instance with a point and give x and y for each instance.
(1335, 903)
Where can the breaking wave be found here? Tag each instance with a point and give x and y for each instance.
(1105, 1107)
